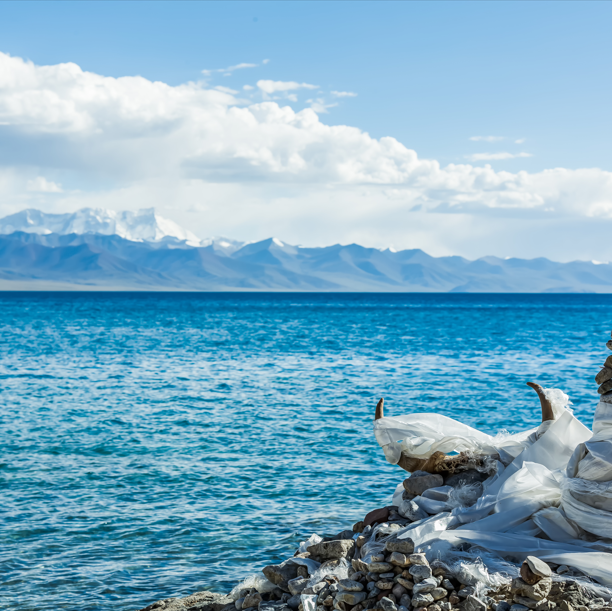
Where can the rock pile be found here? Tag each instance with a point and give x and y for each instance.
(369, 569)
(604, 377)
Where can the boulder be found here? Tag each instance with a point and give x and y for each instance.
(416, 484)
(327, 550)
(537, 591)
(281, 574)
(405, 546)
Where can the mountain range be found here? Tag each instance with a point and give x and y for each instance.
(99, 249)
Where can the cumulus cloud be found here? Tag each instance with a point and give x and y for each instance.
(486, 138)
(275, 86)
(41, 185)
(206, 159)
(496, 156)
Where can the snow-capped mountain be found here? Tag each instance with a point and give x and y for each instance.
(140, 226)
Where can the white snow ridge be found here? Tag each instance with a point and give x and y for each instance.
(140, 226)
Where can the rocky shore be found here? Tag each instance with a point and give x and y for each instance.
(371, 568)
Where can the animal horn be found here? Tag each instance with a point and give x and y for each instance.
(547, 410)
(379, 410)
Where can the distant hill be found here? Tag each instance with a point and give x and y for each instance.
(96, 261)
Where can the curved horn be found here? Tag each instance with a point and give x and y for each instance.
(379, 410)
(547, 410)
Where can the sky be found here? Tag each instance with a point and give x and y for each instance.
(462, 128)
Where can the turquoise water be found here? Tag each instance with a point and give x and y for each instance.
(158, 444)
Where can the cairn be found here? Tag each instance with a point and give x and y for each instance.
(604, 377)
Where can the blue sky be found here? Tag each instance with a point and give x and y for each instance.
(520, 86)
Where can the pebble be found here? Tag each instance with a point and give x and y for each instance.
(410, 510)
(519, 608)
(562, 569)
(405, 546)
(349, 585)
(426, 585)
(420, 572)
(474, 604)
(538, 591)
(418, 559)
(398, 559)
(503, 606)
(387, 604)
(604, 375)
(422, 600)
(384, 585)
(332, 550)
(351, 598)
(407, 583)
(438, 593)
(380, 567)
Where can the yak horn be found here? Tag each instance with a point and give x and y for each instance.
(379, 410)
(547, 410)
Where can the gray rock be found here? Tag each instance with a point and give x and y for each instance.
(471, 476)
(351, 598)
(405, 600)
(422, 600)
(238, 603)
(386, 575)
(419, 572)
(274, 606)
(252, 600)
(294, 602)
(350, 585)
(538, 567)
(605, 387)
(606, 398)
(604, 375)
(503, 606)
(345, 534)
(297, 585)
(526, 602)
(281, 574)
(406, 583)
(399, 559)
(467, 591)
(398, 591)
(387, 604)
(418, 559)
(384, 585)
(405, 546)
(374, 592)
(315, 589)
(425, 586)
(380, 567)
(537, 591)
(472, 603)
(609, 344)
(339, 548)
(417, 484)
(516, 607)
(412, 511)
(447, 585)
(438, 593)
(204, 601)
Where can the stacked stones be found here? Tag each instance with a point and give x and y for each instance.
(604, 377)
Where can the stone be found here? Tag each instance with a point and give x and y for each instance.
(296, 585)
(293, 602)
(537, 567)
(503, 606)
(412, 511)
(447, 585)
(466, 591)
(604, 375)
(315, 589)
(281, 574)
(273, 606)
(562, 569)
(406, 583)
(438, 593)
(608, 362)
(358, 526)
(339, 548)
(565, 606)
(351, 598)
(418, 559)
(405, 546)
(422, 600)
(398, 559)
(302, 571)
(570, 592)
(606, 398)
(609, 344)
(526, 602)
(387, 604)
(426, 586)
(350, 585)
(472, 603)
(545, 605)
(453, 599)
(538, 591)
(417, 484)
(438, 494)
(378, 516)
(605, 387)
(252, 600)
(380, 567)
(420, 572)
(430, 506)
(398, 591)
(200, 601)
(361, 541)
(384, 585)
(405, 600)
(517, 607)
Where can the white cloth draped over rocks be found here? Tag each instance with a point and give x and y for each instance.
(551, 496)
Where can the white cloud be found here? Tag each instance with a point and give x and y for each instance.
(230, 69)
(486, 138)
(208, 161)
(41, 185)
(275, 86)
(248, 87)
(320, 106)
(520, 141)
(496, 156)
(343, 94)
(226, 89)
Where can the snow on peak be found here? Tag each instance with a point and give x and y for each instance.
(278, 242)
(140, 226)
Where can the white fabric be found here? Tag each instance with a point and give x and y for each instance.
(557, 484)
